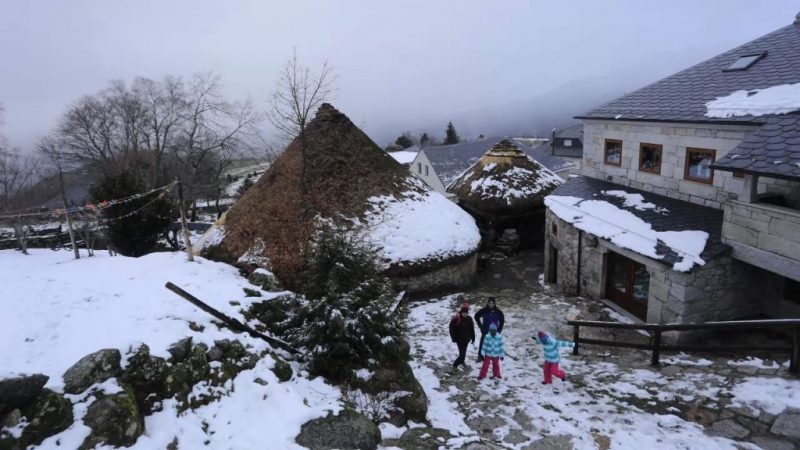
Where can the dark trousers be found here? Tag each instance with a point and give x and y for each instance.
(480, 346)
(462, 353)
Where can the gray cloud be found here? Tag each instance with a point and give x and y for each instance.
(402, 65)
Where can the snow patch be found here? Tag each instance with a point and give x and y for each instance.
(403, 156)
(780, 99)
(634, 201)
(773, 395)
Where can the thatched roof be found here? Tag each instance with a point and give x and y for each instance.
(343, 176)
(505, 181)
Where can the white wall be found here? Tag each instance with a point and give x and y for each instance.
(432, 179)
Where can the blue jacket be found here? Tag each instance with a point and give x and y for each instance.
(493, 346)
(550, 345)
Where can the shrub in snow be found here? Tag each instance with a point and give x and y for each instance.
(343, 319)
(150, 216)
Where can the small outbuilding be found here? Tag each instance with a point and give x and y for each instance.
(504, 190)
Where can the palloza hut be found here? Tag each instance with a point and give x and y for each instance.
(505, 190)
(335, 173)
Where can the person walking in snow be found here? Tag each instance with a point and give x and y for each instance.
(489, 314)
(551, 345)
(493, 352)
(462, 332)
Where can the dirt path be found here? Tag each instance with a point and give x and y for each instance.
(608, 398)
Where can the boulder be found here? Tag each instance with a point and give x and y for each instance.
(251, 292)
(180, 377)
(424, 438)
(787, 425)
(114, 420)
(266, 280)
(180, 349)
(395, 379)
(215, 353)
(19, 391)
(282, 369)
(93, 368)
(144, 372)
(49, 414)
(349, 430)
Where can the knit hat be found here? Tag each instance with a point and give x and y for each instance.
(492, 326)
(491, 300)
(542, 335)
(464, 307)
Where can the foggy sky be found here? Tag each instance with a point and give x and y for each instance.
(401, 65)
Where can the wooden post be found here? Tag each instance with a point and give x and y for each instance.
(575, 336)
(186, 240)
(656, 347)
(794, 365)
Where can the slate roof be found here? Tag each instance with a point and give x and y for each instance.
(575, 134)
(680, 215)
(682, 96)
(772, 150)
(450, 161)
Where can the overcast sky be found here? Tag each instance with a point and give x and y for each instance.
(399, 64)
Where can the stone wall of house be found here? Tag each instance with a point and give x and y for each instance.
(675, 138)
(454, 276)
(764, 235)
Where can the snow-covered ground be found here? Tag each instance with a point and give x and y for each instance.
(618, 399)
(56, 310)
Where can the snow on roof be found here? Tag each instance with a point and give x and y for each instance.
(514, 183)
(420, 225)
(626, 230)
(779, 99)
(404, 156)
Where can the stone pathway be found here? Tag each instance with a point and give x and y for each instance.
(612, 397)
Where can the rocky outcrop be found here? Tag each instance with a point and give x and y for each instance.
(424, 438)
(347, 431)
(94, 368)
(47, 414)
(20, 391)
(399, 378)
(282, 369)
(265, 279)
(114, 420)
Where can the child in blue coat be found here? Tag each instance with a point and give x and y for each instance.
(550, 345)
(493, 352)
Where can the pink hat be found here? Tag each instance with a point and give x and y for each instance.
(542, 335)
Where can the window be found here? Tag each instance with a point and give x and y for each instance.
(650, 158)
(744, 62)
(426, 171)
(419, 167)
(698, 165)
(613, 152)
(738, 174)
(554, 229)
(567, 142)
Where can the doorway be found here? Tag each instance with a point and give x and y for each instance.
(552, 273)
(627, 284)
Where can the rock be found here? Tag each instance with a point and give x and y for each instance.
(180, 349)
(787, 425)
(114, 420)
(182, 376)
(768, 443)
(282, 369)
(348, 430)
(19, 391)
(224, 344)
(753, 425)
(145, 373)
(93, 368)
(424, 438)
(251, 292)
(266, 280)
(560, 442)
(728, 429)
(49, 414)
(215, 353)
(400, 378)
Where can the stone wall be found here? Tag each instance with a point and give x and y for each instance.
(674, 138)
(764, 235)
(458, 275)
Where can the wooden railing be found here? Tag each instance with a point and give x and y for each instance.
(656, 330)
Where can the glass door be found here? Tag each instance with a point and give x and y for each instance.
(627, 284)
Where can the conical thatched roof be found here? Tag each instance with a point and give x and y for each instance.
(504, 181)
(347, 178)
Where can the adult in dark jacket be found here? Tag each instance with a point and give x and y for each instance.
(462, 332)
(489, 314)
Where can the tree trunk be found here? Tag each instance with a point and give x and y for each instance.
(186, 239)
(66, 214)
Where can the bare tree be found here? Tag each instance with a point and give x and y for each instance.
(298, 93)
(51, 150)
(17, 176)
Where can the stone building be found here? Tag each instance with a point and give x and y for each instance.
(688, 207)
(567, 144)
